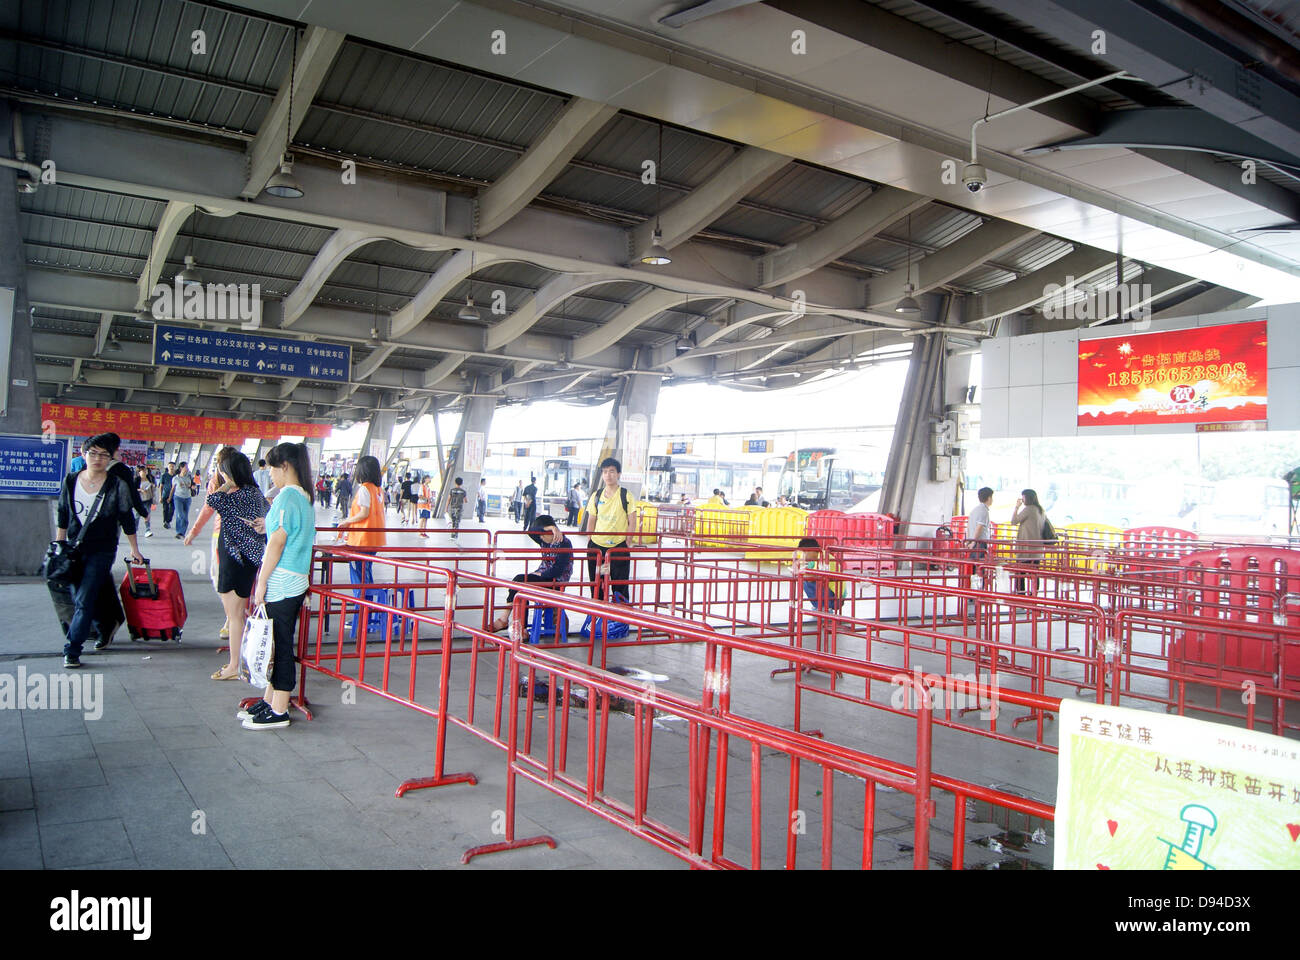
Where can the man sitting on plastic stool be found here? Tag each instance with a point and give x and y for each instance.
(556, 565)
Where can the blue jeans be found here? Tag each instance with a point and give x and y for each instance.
(182, 515)
(810, 591)
(98, 568)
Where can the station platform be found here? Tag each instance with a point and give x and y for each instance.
(166, 777)
(123, 790)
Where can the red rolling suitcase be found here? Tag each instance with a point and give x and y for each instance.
(154, 602)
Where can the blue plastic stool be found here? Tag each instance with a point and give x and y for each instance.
(362, 572)
(545, 625)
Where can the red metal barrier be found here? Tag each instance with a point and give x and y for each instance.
(1236, 588)
(377, 665)
(1159, 543)
(1069, 633)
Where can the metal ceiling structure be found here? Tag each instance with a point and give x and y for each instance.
(796, 195)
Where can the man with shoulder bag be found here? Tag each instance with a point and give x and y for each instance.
(93, 504)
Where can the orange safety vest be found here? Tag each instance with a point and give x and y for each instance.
(370, 532)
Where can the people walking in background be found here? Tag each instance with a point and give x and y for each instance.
(517, 500)
(530, 502)
(482, 499)
(344, 491)
(426, 506)
(262, 476)
(101, 502)
(285, 575)
(408, 499)
(183, 490)
(573, 506)
(165, 493)
(1030, 537)
(756, 498)
(455, 504)
(145, 486)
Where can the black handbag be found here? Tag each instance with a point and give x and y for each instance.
(63, 560)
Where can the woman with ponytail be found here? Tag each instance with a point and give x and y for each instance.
(282, 582)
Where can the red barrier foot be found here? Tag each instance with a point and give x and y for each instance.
(473, 852)
(776, 673)
(422, 783)
(1032, 715)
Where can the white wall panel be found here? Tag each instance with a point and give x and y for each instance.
(1026, 361)
(1025, 416)
(1284, 398)
(995, 370)
(993, 412)
(1061, 358)
(1060, 410)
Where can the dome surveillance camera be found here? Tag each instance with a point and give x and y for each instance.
(974, 177)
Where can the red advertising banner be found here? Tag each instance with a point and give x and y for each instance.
(1200, 375)
(83, 421)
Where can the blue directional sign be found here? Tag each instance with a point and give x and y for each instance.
(230, 352)
(32, 466)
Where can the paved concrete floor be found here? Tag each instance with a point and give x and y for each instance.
(167, 777)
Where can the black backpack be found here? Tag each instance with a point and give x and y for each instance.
(622, 490)
(1049, 532)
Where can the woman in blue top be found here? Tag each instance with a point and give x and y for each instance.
(282, 583)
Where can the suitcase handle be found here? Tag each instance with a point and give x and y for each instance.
(139, 590)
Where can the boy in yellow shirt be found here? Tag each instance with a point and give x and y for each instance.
(809, 552)
(606, 525)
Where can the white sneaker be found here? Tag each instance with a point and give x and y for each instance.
(148, 533)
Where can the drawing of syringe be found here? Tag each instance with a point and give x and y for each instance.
(1186, 855)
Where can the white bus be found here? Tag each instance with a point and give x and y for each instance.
(830, 478)
(1249, 506)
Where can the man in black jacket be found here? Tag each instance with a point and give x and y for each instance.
(166, 494)
(530, 503)
(98, 499)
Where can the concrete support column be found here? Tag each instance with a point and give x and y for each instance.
(627, 438)
(28, 526)
(205, 454)
(379, 435)
(315, 451)
(909, 491)
(477, 420)
(263, 448)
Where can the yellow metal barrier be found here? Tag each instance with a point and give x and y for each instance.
(731, 522)
(775, 527)
(644, 520)
(1084, 546)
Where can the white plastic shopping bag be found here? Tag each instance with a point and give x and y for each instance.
(258, 649)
